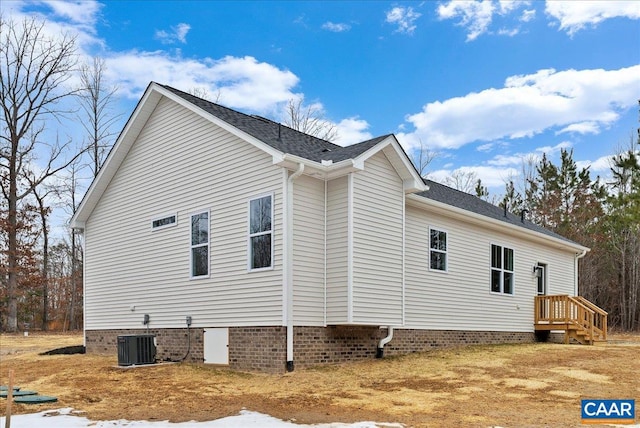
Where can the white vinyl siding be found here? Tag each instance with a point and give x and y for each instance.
(181, 163)
(461, 300)
(378, 206)
(308, 251)
(337, 250)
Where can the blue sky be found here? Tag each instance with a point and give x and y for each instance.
(484, 84)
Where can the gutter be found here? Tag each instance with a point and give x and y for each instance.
(289, 265)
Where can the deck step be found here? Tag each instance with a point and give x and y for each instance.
(581, 320)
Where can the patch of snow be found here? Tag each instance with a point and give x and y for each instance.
(67, 418)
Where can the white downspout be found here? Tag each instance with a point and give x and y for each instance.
(384, 341)
(289, 264)
(575, 271)
(84, 290)
(325, 253)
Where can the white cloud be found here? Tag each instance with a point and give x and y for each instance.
(75, 18)
(475, 16)
(352, 130)
(243, 83)
(485, 147)
(509, 32)
(574, 16)
(517, 159)
(508, 6)
(336, 27)
(80, 12)
(506, 160)
(177, 34)
(587, 127)
(527, 105)
(404, 18)
(600, 165)
(528, 15)
(552, 150)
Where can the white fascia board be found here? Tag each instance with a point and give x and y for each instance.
(473, 218)
(125, 140)
(412, 182)
(321, 170)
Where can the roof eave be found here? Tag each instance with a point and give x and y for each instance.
(497, 225)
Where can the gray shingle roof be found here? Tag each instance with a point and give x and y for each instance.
(278, 136)
(288, 140)
(447, 195)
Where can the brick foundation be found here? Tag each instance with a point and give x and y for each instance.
(264, 348)
(171, 343)
(258, 348)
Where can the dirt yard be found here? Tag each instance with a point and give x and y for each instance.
(481, 386)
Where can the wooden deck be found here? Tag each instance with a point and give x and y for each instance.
(576, 316)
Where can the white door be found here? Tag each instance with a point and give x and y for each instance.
(541, 273)
(216, 346)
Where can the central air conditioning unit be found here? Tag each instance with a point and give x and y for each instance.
(136, 349)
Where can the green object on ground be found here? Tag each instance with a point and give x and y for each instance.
(6, 388)
(35, 399)
(4, 394)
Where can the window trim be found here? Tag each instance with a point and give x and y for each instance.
(445, 252)
(502, 270)
(252, 235)
(207, 244)
(162, 217)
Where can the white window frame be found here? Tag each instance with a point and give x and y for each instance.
(266, 232)
(162, 217)
(502, 270)
(445, 252)
(207, 244)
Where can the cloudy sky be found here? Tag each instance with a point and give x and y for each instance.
(482, 83)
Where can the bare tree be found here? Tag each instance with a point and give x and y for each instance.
(70, 188)
(33, 70)
(202, 92)
(41, 194)
(462, 180)
(96, 99)
(422, 158)
(310, 120)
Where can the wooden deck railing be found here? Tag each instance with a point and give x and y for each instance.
(564, 312)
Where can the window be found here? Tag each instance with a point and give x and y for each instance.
(437, 250)
(261, 233)
(501, 269)
(200, 245)
(165, 221)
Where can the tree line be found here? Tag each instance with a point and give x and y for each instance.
(41, 282)
(603, 215)
(40, 169)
